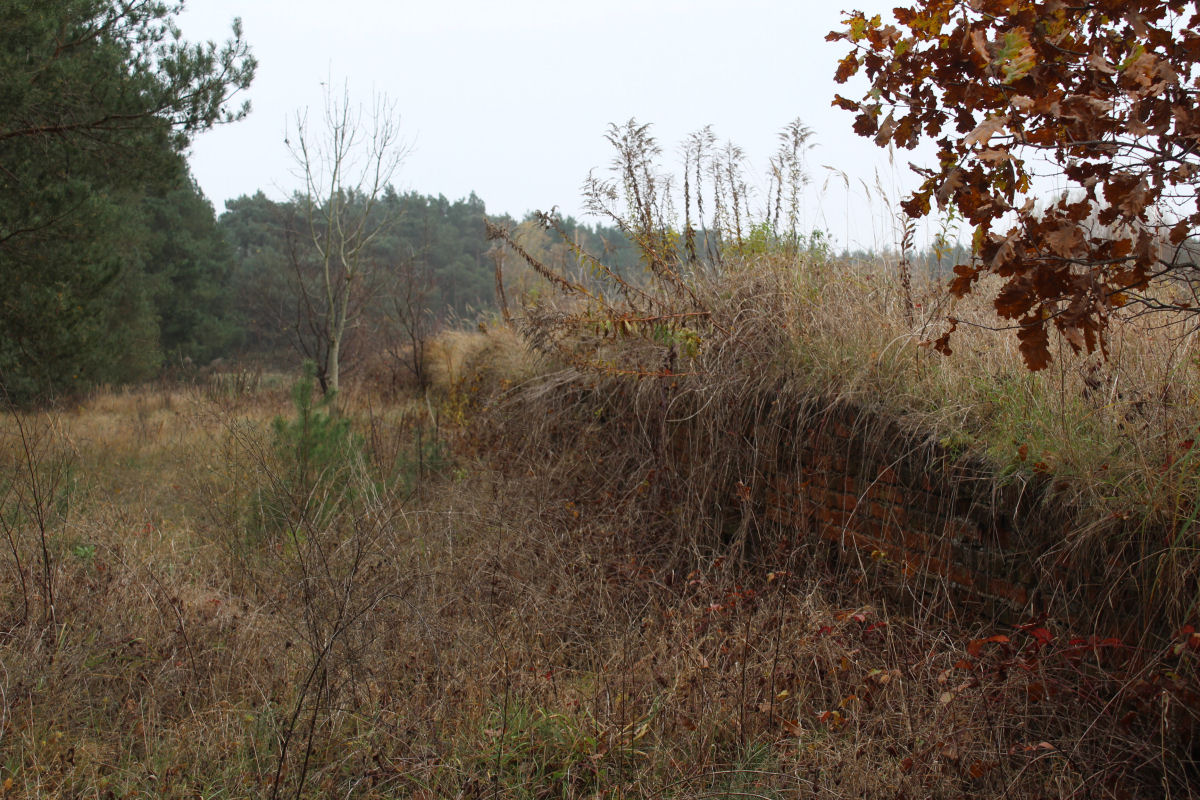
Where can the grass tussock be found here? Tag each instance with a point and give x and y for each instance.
(698, 381)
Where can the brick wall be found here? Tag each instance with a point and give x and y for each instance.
(925, 517)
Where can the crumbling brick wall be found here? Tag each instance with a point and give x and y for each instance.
(933, 519)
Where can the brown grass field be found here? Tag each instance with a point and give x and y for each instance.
(495, 591)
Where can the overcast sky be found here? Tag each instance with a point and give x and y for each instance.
(511, 100)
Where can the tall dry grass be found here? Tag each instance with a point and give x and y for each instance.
(679, 392)
(543, 579)
(762, 315)
(540, 615)
(783, 338)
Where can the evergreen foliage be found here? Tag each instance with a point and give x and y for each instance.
(318, 445)
(188, 265)
(98, 100)
(257, 231)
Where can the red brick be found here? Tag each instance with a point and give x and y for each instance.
(785, 504)
(948, 570)
(917, 542)
(927, 501)
(779, 484)
(961, 575)
(843, 518)
(830, 461)
(845, 502)
(885, 493)
(888, 476)
(890, 534)
(965, 531)
(847, 537)
(888, 512)
(775, 514)
(1013, 593)
(941, 548)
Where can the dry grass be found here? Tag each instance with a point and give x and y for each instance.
(1113, 436)
(509, 589)
(1116, 434)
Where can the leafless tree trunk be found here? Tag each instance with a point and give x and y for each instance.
(347, 167)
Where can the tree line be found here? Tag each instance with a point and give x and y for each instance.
(174, 286)
(429, 265)
(116, 266)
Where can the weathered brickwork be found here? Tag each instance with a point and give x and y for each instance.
(883, 496)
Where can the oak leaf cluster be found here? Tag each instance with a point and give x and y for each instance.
(1100, 95)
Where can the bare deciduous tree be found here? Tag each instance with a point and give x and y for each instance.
(347, 168)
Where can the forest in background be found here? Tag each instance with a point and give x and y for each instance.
(431, 262)
(117, 266)
(158, 281)
(184, 287)
(119, 269)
